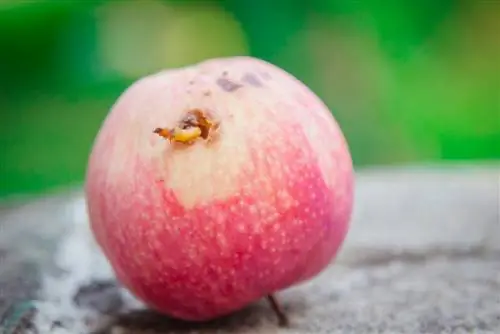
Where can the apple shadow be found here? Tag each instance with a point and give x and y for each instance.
(105, 297)
(254, 315)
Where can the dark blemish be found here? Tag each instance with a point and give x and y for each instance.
(252, 80)
(191, 82)
(103, 296)
(228, 85)
(265, 75)
(56, 324)
(224, 73)
(207, 93)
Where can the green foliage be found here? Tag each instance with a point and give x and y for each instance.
(408, 81)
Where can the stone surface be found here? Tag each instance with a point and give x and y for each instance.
(423, 256)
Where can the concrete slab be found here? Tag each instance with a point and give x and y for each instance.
(422, 256)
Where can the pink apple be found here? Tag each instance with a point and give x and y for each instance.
(199, 231)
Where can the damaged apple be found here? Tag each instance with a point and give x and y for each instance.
(212, 186)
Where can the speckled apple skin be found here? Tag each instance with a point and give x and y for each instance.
(201, 231)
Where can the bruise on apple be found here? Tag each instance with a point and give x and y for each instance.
(252, 80)
(194, 125)
(228, 85)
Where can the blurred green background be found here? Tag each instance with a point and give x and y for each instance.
(409, 81)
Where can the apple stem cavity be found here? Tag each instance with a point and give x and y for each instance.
(282, 318)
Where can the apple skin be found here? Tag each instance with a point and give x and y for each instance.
(200, 231)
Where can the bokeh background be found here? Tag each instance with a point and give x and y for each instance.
(409, 81)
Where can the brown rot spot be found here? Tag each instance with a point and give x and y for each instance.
(196, 124)
(191, 82)
(205, 122)
(207, 93)
(252, 80)
(228, 85)
(165, 133)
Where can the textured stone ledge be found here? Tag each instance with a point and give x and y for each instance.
(422, 256)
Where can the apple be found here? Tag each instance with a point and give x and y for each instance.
(199, 221)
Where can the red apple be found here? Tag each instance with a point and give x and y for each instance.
(199, 230)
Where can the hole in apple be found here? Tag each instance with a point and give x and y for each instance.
(196, 124)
